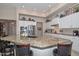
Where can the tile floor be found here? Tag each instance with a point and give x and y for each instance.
(73, 53)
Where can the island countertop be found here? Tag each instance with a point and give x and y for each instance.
(39, 42)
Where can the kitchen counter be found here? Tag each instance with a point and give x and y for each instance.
(39, 42)
(63, 35)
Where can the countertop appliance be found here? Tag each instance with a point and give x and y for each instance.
(75, 33)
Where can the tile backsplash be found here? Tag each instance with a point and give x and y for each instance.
(68, 31)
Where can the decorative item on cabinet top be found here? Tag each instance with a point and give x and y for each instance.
(26, 19)
(29, 19)
(22, 18)
(48, 20)
(55, 25)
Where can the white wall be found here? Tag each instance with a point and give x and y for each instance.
(7, 13)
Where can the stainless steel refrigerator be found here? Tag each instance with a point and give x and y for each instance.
(28, 30)
(31, 30)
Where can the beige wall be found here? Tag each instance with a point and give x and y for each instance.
(7, 13)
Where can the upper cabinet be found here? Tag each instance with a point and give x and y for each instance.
(75, 20)
(52, 23)
(55, 21)
(64, 23)
(70, 21)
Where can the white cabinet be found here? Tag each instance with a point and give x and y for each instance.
(52, 22)
(75, 45)
(75, 40)
(65, 22)
(75, 20)
(48, 25)
(55, 21)
(70, 21)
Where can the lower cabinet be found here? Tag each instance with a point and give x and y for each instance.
(75, 45)
(75, 40)
(43, 52)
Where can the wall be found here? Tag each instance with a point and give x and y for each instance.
(7, 13)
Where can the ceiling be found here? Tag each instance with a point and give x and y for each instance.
(31, 6)
(39, 9)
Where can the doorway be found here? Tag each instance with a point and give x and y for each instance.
(39, 28)
(7, 27)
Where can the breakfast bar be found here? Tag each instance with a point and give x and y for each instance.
(41, 46)
(39, 42)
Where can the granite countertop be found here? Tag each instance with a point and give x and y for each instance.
(65, 34)
(39, 42)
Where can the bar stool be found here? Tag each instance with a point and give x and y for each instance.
(23, 50)
(63, 49)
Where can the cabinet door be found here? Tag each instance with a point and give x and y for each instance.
(60, 23)
(48, 25)
(55, 21)
(75, 45)
(66, 22)
(74, 20)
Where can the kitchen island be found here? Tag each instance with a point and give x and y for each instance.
(40, 46)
